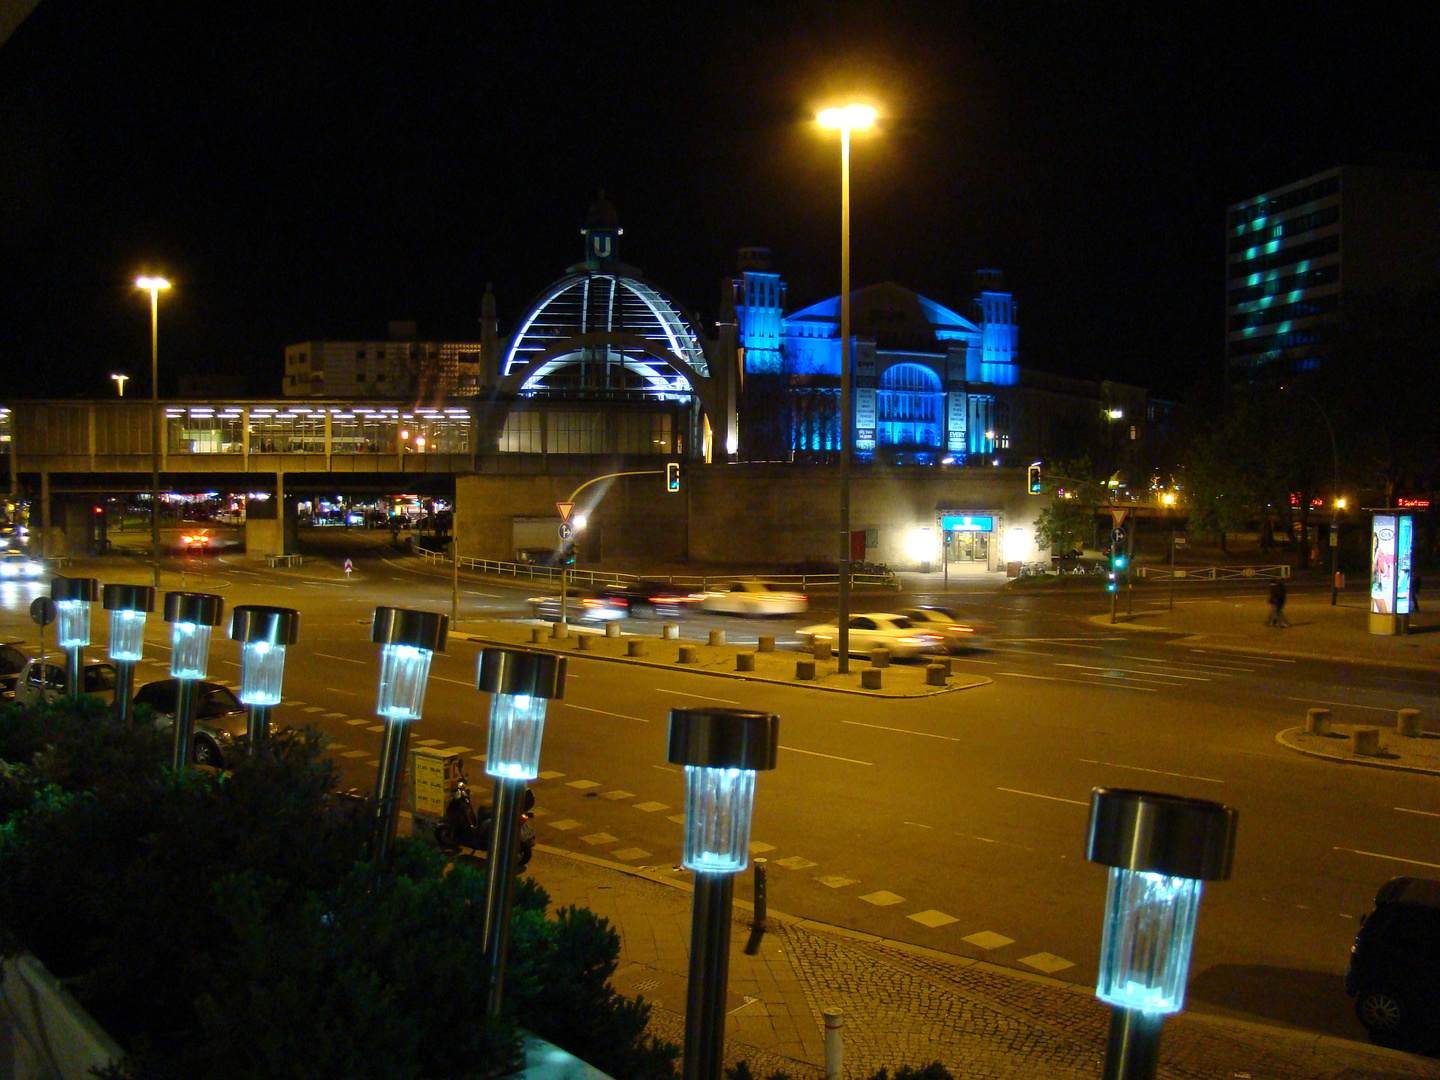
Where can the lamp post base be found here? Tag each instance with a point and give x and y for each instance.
(184, 726)
(1133, 1050)
(500, 885)
(709, 975)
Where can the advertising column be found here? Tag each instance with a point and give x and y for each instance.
(1391, 537)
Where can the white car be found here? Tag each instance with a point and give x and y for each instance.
(958, 634)
(753, 598)
(16, 564)
(50, 681)
(879, 628)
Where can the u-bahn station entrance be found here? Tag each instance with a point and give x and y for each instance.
(606, 376)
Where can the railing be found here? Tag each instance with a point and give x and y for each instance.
(1214, 573)
(531, 571)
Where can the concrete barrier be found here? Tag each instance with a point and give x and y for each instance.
(537, 635)
(745, 661)
(805, 670)
(767, 643)
(585, 642)
(1408, 723)
(670, 631)
(689, 654)
(612, 629)
(870, 678)
(717, 637)
(943, 662)
(820, 648)
(635, 647)
(1365, 741)
(559, 630)
(1317, 721)
(937, 674)
(879, 657)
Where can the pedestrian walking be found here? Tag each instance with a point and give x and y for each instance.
(1277, 604)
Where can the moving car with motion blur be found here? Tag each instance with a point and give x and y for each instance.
(878, 628)
(17, 564)
(581, 605)
(649, 599)
(762, 598)
(222, 724)
(958, 634)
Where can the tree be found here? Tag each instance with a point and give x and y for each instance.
(1068, 523)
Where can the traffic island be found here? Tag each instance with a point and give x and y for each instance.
(919, 678)
(1384, 746)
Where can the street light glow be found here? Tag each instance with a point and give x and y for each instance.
(154, 284)
(847, 118)
(120, 382)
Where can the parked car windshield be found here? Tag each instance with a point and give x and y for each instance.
(99, 678)
(216, 701)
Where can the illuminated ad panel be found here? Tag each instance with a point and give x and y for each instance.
(967, 523)
(1404, 539)
(1382, 565)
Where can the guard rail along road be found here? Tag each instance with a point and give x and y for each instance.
(1214, 573)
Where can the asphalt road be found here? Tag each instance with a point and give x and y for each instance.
(954, 821)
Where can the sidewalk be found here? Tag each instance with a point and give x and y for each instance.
(906, 1005)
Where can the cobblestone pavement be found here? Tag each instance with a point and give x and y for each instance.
(907, 1005)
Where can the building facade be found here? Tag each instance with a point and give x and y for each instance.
(401, 367)
(1298, 256)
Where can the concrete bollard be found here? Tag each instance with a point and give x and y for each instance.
(612, 629)
(820, 648)
(870, 678)
(537, 635)
(834, 1046)
(1407, 723)
(767, 643)
(585, 642)
(670, 631)
(879, 657)
(717, 637)
(1317, 721)
(936, 675)
(559, 630)
(689, 654)
(745, 661)
(1365, 741)
(804, 669)
(635, 647)
(944, 662)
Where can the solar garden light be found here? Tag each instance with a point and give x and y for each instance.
(265, 631)
(520, 684)
(191, 616)
(721, 750)
(1159, 849)
(408, 639)
(128, 605)
(73, 597)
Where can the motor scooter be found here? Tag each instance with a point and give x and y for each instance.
(466, 825)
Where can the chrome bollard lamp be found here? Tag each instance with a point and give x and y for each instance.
(407, 639)
(1159, 849)
(721, 750)
(128, 606)
(521, 685)
(192, 616)
(73, 597)
(264, 632)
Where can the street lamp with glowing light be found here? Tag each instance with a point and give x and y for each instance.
(264, 633)
(191, 616)
(73, 597)
(154, 285)
(120, 381)
(128, 606)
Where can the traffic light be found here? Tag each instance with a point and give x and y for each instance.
(1117, 565)
(1035, 478)
(672, 476)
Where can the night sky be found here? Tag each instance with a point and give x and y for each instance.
(304, 170)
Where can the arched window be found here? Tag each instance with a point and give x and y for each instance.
(910, 407)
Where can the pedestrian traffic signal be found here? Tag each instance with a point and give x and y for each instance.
(672, 476)
(1119, 562)
(1035, 478)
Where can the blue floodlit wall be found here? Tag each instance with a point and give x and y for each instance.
(761, 321)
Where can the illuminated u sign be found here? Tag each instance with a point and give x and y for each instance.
(602, 245)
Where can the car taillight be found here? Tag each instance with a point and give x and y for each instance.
(963, 629)
(592, 603)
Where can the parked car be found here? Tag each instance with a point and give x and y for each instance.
(12, 662)
(50, 681)
(649, 599)
(17, 564)
(1394, 971)
(753, 598)
(958, 634)
(221, 722)
(895, 632)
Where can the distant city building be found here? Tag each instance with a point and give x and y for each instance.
(398, 368)
(1298, 256)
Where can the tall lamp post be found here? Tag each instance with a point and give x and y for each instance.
(845, 120)
(153, 285)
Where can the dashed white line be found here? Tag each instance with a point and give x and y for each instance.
(1389, 858)
(1158, 772)
(1407, 810)
(705, 697)
(602, 712)
(832, 757)
(1037, 795)
(1111, 671)
(1081, 682)
(1341, 704)
(902, 731)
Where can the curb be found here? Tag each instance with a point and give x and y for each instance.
(1316, 1039)
(1352, 759)
(979, 680)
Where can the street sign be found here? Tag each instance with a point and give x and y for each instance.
(566, 532)
(349, 567)
(565, 509)
(1180, 541)
(1117, 537)
(1118, 515)
(42, 610)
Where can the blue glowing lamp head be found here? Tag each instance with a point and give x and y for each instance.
(721, 750)
(73, 597)
(128, 605)
(264, 632)
(1159, 849)
(191, 615)
(408, 640)
(521, 683)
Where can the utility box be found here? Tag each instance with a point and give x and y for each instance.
(433, 776)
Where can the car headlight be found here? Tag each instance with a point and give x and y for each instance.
(33, 569)
(8, 569)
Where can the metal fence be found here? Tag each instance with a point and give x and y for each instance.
(1214, 573)
(700, 583)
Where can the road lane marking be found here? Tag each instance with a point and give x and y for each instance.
(1212, 666)
(1125, 673)
(602, 712)
(1160, 772)
(705, 697)
(832, 757)
(1389, 858)
(337, 690)
(458, 682)
(918, 825)
(901, 730)
(972, 660)
(1407, 810)
(1037, 795)
(1250, 656)
(1079, 682)
(342, 659)
(1342, 704)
